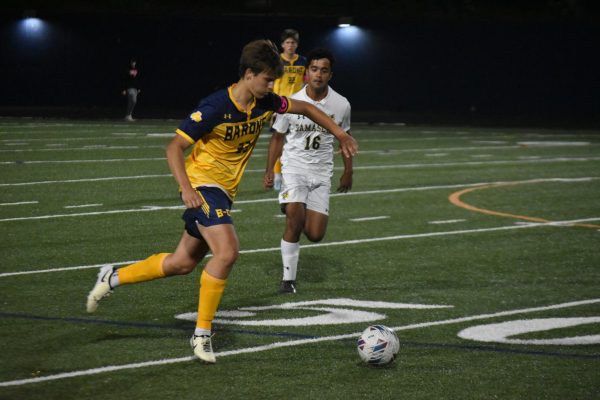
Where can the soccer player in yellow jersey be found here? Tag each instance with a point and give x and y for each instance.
(292, 80)
(223, 131)
(294, 65)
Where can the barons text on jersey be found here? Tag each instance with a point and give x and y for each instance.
(224, 135)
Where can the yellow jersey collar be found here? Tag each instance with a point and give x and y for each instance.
(238, 105)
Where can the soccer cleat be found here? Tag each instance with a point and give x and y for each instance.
(277, 182)
(129, 118)
(202, 347)
(101, 288)
(287, 287)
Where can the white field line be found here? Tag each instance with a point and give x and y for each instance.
(72, 139)
(471, 163)
(290, 343)
(84, 205)
(340, 243)
(85, 148)
(447, 221)
(19, 203)
(369, 218)
(368, 192)
(110, 178)
(386, 151)
(263, 149)
(391, 166)
(371, 167)
(107, 160)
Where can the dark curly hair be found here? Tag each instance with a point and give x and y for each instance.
(319, 53)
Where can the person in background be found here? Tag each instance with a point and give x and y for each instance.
(131, 90)
(292, 80)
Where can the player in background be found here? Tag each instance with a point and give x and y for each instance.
(292, 80)
(132, 89)
(223, 131)
(307, 163)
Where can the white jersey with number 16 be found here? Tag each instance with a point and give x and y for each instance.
(309, 147)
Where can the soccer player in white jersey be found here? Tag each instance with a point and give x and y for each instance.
(307, 163)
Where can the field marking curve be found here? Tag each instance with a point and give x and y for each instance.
(455, 198)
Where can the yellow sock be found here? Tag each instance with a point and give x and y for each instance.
(211, 290)
(146, 270)
(277, 167)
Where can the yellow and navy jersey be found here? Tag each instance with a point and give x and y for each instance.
(224, 135)
(292, 79)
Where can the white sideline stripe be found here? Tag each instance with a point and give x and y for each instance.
(110, 178)
(398, 190)
(41, 271)
(263, 150)
(106, 160)
(447, 221)
(369, 218)
(469, 163)
(19, 203)
(290, 343)
(391, 166)
(84, 205)
(341, 243)
(85, 148)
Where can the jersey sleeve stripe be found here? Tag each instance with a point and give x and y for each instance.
(185, 136)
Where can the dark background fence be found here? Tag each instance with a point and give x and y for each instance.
(510, 67)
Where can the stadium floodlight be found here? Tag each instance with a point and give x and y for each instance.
(344, 22)
(31, 29)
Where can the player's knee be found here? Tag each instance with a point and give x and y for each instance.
(314, 237)
(227, 257)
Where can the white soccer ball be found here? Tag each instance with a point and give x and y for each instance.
(378, 345)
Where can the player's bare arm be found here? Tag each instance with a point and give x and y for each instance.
(346, 178)
(348, 145)
(275, 149)
(176, 159)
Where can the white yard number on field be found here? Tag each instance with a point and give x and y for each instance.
(325, 315)
(349, 311)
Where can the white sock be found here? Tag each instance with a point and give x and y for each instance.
(201, 332)
(290, 252)
(114, 279)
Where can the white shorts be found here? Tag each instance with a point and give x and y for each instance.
(310, 190)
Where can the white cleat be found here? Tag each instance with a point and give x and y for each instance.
(101, 288)
(202, 347)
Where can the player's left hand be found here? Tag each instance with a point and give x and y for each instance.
(345, 182)
(348, 146)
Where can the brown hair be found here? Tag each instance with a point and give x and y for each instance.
(260, 56)
(290, 33)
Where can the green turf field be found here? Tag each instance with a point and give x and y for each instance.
(479, 246)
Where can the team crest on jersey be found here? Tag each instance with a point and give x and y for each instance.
(197, 116)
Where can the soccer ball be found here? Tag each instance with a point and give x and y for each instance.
(378, 345)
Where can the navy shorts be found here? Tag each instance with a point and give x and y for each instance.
(216, 210)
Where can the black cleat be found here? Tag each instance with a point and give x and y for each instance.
(287, 287)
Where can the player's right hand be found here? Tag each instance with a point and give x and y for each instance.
(191, 198)
(268, 180)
